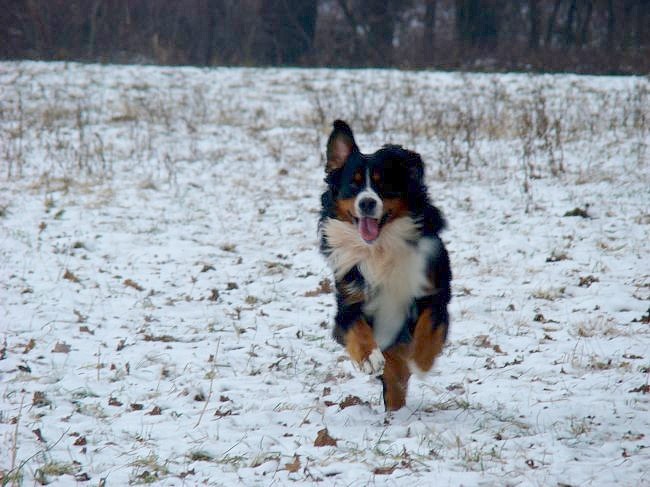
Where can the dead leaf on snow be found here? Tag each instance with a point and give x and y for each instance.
(219, 413)
(160, 338)
(156, 411)
(557, 256)
(39, 435)
(351, 401)
(30, 345)
(324, 287)
(112, 401)
(324, 439)
(644, 389)
(294, 466)
(61, 348)
(133, 284)
(587, 281)
(482, 341)
(40, 400)
(70, 276)
(385, 470)
(581, 212)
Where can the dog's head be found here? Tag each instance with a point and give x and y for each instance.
(371, 190)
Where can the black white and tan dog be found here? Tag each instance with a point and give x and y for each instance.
(380, 235)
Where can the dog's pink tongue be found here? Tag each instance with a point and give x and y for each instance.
(369, 229)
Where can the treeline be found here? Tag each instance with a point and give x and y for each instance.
(595, 36)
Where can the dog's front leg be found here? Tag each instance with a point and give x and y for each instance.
(351, 328)
(363, 349)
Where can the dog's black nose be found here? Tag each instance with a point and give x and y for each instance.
(367, 206)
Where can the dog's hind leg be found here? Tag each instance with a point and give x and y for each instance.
(395, 378)
(428, 339)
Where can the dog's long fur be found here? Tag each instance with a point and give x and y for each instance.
(380, 235)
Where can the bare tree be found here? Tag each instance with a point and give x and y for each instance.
(611, 23)
(586, 11)
(550, 28)
(373, 25)
(569, 35)
(429, 32)
(288, 30)
(477, 22)
(534, 21)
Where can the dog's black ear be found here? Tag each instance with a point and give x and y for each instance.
(415, 167)
(339, 146)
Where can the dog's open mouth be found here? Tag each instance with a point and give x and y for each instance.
(368, 229)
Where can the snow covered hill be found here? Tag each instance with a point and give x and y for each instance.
(165, 315)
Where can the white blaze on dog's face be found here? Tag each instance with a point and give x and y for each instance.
(369, 209)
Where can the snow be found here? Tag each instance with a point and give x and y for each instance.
(163, 312)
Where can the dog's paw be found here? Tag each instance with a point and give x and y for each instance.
(373, 364)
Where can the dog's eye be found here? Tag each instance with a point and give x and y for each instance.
(390, 188)
(357, 178)
(380, 181)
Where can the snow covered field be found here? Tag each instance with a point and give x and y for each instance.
(165, 315)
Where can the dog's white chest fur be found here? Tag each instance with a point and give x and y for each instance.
(394, 269)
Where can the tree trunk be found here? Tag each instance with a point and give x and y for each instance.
(534, 20)
(642, 23)
(289, 27)
(611, 25)
(381, 26)
(429, 34)
(583, 36)
(550, 29)
(569, 34)
(477, 22)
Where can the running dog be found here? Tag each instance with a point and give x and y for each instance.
(380, 235)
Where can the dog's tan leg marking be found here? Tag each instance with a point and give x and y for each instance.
(363, 349)
(427, 341)
(395, 378)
